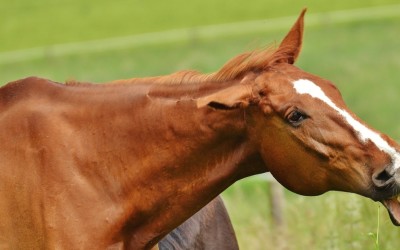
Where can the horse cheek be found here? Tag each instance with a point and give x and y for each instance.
(292, 165)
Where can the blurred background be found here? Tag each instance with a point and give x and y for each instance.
(353, 43)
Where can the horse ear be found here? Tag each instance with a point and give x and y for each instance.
(290, 47)
(237, 96)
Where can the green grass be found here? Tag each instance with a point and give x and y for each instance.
(25, 24)
(362, 58)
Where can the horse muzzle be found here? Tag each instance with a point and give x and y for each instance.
(393, 207)
(387, 184)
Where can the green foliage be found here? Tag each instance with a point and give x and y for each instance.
(375, 235)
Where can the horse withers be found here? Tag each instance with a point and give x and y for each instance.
(83, 166)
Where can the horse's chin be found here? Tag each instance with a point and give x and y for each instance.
(393, 207)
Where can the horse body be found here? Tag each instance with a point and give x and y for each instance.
(91, 175)
(210, 228)
(144, 157)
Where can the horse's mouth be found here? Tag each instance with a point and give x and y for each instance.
(393, 207)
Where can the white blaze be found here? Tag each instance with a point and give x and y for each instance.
(364, 134)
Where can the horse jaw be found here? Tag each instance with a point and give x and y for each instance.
(393, 207)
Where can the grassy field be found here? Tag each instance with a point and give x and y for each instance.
(44, 22)
(361, 57)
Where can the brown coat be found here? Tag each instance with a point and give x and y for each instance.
(208, 229)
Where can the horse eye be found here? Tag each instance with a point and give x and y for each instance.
(296, 117)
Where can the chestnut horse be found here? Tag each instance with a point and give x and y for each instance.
(85, 165)
(210, 228)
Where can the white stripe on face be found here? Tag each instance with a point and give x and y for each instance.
(306, 87)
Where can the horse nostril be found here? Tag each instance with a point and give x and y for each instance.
(382, 179)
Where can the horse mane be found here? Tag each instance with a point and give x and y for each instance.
(73, 82)
(252, 61)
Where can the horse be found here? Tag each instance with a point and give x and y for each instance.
(83, 166)
(210, 228)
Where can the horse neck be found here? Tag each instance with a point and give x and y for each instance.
(173, 158)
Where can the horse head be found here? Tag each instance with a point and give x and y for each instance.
(306, 135)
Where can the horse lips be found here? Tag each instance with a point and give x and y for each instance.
(393, 207)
